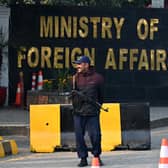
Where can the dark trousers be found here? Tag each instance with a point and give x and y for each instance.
(92, 125)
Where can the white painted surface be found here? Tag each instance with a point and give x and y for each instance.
(157, 3)
(4, 24)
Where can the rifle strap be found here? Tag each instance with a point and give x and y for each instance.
(73, 82)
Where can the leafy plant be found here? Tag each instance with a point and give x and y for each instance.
(100, 3)
(47, 84)
(64, 80)
(62, 83)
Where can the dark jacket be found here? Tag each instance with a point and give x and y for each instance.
(90, 85)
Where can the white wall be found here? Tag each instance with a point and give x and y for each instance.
(4, 22)
(157, 3)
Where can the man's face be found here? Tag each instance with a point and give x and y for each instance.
(83, 67)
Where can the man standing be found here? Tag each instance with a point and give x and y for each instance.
(87, 89)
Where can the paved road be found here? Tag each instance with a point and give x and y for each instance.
(117, 159)
(113, 159)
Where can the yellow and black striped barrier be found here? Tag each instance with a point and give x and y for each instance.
(8, 147)
(125, 126)
(1, 138)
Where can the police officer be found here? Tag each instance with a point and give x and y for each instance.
(88, 83)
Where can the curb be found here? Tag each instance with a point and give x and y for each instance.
(8, 147)
(159, 123)
(14, 129)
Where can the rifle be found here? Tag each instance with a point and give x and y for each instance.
(85, 97)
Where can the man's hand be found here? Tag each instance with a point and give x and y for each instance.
(74, 92)
(80, 95)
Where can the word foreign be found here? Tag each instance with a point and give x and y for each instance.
(114, 59)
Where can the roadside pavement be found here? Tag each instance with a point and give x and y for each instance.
(68, 159)
(15, 120)
(14, 124)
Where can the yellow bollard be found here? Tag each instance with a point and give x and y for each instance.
(1, 138)
(2, 152)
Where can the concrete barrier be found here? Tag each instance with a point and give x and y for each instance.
(135, 125)
(44, 127)
(125, 126)
(8, 147)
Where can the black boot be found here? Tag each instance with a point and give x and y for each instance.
(83, 162)
(100, 162)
